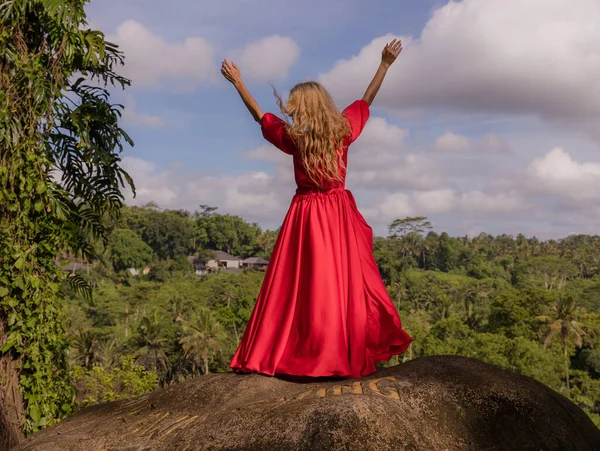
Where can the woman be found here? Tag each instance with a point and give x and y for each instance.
(323, 310)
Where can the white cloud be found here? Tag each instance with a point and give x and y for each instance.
(268, 59)
(473, 203)
(434, 201)
(538, 57)
(505, 202)
(255, 195)
(558, 174)
(151, 185)
(397, 205)
(452, 142)
(152, 62)
(269, 153)
(490, 144)
(377, 160)
(132, 117)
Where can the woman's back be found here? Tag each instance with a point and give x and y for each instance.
(275, 131)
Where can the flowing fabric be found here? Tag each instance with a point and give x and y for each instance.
(323, 309)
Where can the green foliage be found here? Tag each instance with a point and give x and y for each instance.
(60, 182)
(163, 270)
(128, 250)
(203, 337)
(98, 384)
(515, 314)
(170, 234)
(232, 234)
(406, 226)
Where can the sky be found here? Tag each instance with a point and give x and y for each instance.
(489, 121)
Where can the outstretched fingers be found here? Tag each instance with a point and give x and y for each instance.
(226, 70)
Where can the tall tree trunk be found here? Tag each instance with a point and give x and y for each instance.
(205, 359)
(566, 367)
(11, 402)
(237, 337)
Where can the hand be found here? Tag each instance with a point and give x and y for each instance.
(391, 51)
(231, 72)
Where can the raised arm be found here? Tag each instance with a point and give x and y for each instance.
(388, 56)
(232, 73)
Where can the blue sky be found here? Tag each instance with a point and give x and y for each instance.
(487, 123)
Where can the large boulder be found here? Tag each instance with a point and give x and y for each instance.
(431, 403)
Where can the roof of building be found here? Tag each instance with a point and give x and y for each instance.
(255, 261)
(223, 256)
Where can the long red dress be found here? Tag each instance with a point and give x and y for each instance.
(323, 309)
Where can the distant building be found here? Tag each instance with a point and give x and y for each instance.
(198, 264)
(222, 260)
(134, 271)
(255, 263)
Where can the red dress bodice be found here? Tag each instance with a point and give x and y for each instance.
(274, 131)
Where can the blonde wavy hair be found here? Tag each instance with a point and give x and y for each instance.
(318, 127)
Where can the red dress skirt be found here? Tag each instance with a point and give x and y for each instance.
(323, 309)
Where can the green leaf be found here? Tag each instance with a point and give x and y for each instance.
(35, 413)
(19, 283)
(10, 341)
(4, 291)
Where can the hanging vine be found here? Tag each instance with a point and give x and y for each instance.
(60, 189)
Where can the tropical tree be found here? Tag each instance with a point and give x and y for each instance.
(266, 241)
(109, 353)
(562, 324)
(203, 337)
(85, 349)
(60, 188)
(228, 233)
(402, 227)
(128, 250)
(151, 345)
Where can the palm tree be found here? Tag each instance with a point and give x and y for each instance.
(398, 293)
(151, 345)
(203, 337)
(562, 324)
(475, 296)
(181, 368)
(109, 352)
(85, 348)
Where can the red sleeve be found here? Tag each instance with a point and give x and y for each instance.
(273, 130)
(357, 114)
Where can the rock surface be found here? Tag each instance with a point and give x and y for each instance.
(431, 403)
